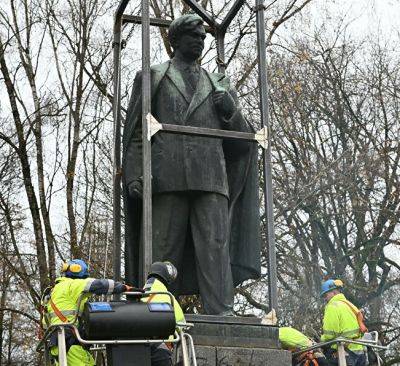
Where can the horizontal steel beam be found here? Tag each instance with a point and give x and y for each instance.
(209, 132)
(138, 20)
(154, 126)
(164, 23)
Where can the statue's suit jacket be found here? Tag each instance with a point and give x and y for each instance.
(186, 163)
(179, 162)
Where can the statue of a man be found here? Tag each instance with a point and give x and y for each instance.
(205, 190)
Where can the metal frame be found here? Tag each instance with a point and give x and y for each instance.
(341, 342)
(62, 353)
(262, 137)
(266, 157)
(188, 352)
(60, 328)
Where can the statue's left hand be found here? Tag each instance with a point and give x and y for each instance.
(224, 103)
(135, 188)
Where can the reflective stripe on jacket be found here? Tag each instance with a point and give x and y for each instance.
(65, 295)
(293, 340)
(156, 285)
(340, 321)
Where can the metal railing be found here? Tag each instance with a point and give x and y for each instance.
(188, 351)
(341, 343)
(62, 351)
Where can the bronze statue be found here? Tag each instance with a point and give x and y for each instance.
(205, 190)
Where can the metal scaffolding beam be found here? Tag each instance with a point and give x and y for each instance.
(267, 166)
(231, 15)
(147, 249)
(157, 22)
(199, 10)
(117, 140)
(163, 23)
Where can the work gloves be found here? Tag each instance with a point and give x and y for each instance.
(133, 289)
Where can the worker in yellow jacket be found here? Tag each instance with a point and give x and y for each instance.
(342, 319)
(293, 340)
(161, 275)
(61, 306)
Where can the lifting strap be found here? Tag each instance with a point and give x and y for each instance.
(308, 358)
(359, 316)
(150, 297)
(313, 362)
(57, 311)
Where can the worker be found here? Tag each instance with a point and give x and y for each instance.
(61, 306)
(160, 277)
(342, 319)
(294, 341)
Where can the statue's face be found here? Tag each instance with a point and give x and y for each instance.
(191, 44)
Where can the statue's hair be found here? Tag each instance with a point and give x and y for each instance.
(181, 25)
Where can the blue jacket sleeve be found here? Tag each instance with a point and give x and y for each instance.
(105, 286)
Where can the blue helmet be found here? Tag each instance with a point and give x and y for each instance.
(75, 268)
(330, 285)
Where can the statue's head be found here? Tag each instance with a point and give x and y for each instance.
(186, 35)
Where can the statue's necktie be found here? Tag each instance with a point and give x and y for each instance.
(192, 76)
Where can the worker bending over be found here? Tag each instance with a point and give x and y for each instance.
(61, 306)
(293, 340)
(342, 319)
(162, 275)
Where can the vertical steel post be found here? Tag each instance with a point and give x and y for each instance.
(46, 355)
(62, 349)
(267, 166)
(146, 144)
(117, 149)
(220, 32)
(220, 40)
(341, 354)
(185, 351)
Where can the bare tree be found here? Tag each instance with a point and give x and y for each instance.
(335, 132)
(334, 109)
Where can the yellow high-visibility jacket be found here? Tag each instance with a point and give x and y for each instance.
(65, 295)
(156, 285)
(66, 292)
(293, 340)
(340, 321)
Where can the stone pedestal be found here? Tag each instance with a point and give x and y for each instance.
(234, 341)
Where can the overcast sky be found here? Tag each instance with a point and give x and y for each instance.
(366, 16)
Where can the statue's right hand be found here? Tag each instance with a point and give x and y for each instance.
(136, 189)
